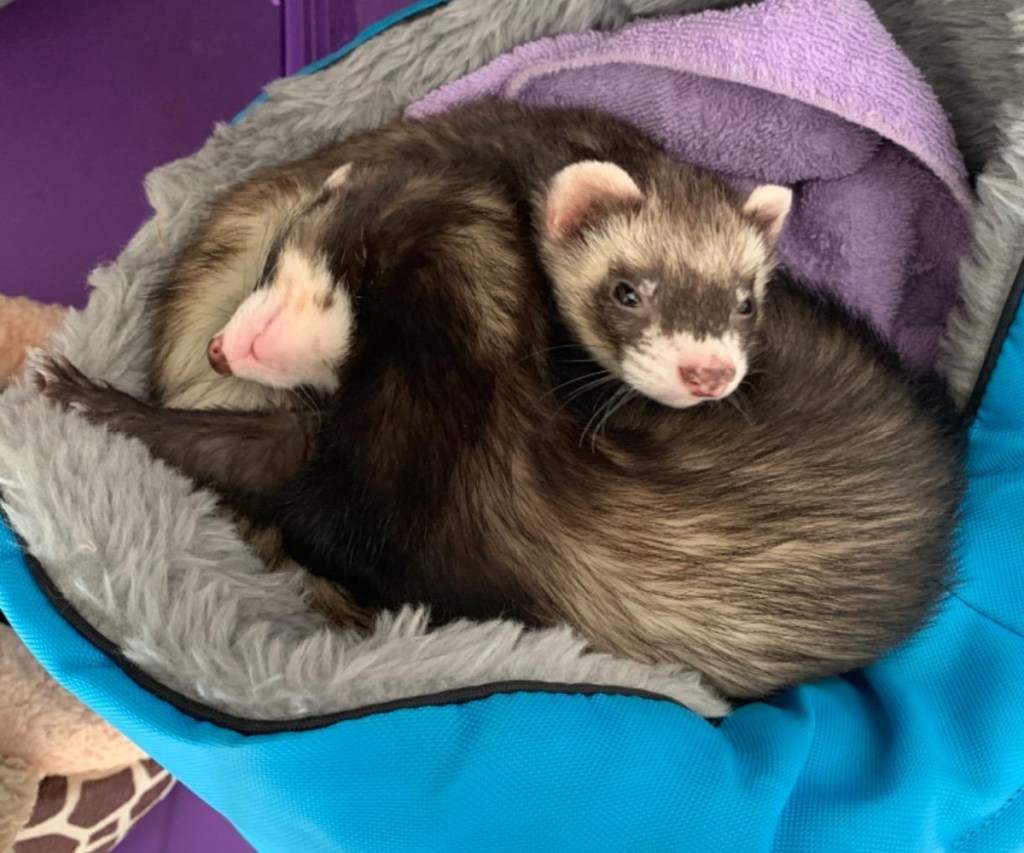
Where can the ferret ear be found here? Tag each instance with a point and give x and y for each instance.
(337, 178)
(768, 206)
(585, 193)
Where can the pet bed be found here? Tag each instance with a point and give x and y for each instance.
(125, 584)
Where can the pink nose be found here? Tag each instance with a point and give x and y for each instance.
(215, 355)
(709, 379)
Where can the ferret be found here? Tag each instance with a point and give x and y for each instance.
(510, 150)
(196, 313)
(801, 533)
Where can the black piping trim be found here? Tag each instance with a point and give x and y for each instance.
(1006, 319)
(204, 713)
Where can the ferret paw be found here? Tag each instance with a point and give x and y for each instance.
(59, 381)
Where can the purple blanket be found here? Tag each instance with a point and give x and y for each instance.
(811, 94)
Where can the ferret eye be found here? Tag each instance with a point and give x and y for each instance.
(745, 308)
(626, 295)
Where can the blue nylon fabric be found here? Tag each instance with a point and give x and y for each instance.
(924, 751)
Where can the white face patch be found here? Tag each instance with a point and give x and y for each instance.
(293, 331)
(681, 371)
(647, 288)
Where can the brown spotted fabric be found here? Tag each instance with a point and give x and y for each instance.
(91, 813)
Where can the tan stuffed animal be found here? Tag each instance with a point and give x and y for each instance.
(24, 323)
(68, 781)
(46, 732)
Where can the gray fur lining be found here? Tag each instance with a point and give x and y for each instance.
(987, 275)
(142, 555)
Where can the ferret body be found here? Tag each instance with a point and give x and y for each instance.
(798, 534)
(510, 149)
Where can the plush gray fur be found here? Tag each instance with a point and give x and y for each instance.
(170, 581)
(967, 51)
(971, 53)
(988, 273)
(144, 557)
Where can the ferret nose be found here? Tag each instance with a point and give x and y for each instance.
(709, 379)
(215, 355)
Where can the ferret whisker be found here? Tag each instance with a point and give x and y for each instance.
(603, 411)
(306, 398)
(598, 410)
(537, 353)
(618, 402)
(573, 381)
(624, 398)
(733, 400)
(591, 387)
(586, 426)
(557, 348)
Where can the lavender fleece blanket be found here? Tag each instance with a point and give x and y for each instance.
(812, 94)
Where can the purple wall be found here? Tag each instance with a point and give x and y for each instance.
(182, 823)
(95, 94)
(313, 28)
(92, 96)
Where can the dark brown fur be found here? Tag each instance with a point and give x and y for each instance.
(509, 149)
(801, 533)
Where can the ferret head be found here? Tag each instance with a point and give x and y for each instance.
(662, 285)
(296, 326)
